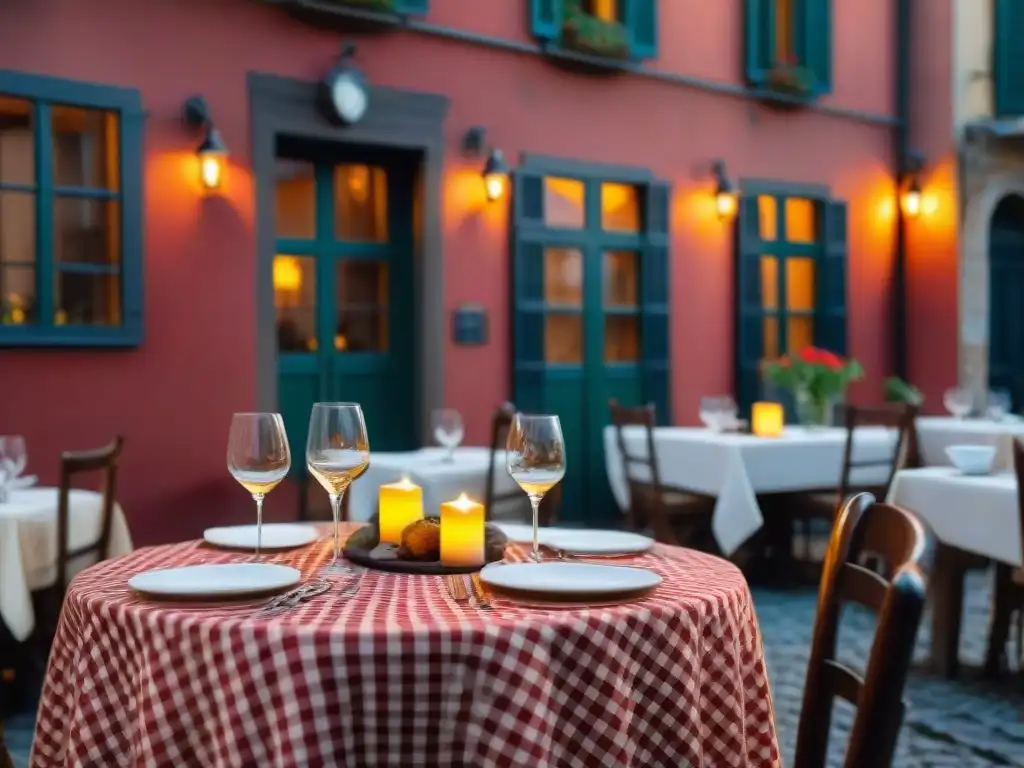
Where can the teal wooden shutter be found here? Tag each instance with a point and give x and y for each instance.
(527, 301)
(655, 290)
(1008, 58)
(546, 19)
(814, 40)
(749, 309)
(419, 7)
(641, 19)
(759, 39)
(830, 317)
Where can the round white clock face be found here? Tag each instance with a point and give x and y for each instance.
(349, 98)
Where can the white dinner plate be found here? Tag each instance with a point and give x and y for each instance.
(275, 536)
(228, 580)
(588, 542)
(519, 532)
(576, 580)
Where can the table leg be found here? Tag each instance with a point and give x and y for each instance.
(999, 630)
(947, 609)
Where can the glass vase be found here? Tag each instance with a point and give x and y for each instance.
(813, 411)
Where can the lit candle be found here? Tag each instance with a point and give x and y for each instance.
(462, 532)
(766, 419)
(401, 504)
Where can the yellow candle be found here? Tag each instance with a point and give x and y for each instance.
(462, 532)
(401, 504)
(766, 419)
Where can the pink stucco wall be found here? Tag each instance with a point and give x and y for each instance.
(173, 397)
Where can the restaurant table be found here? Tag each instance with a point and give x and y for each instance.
(936, 433)
(28, 546)
(975, 514)
(401, 674)
(441, 480)
(734, 468)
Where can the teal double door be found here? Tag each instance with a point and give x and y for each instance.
(1006, 299)
(344, 287)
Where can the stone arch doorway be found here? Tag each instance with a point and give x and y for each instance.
(1006, 297)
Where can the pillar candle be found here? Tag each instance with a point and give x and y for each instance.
(766, 419)
(462, 532)
(401, 504)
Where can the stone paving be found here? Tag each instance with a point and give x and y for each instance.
(962, 723)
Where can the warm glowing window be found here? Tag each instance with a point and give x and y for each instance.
(65, 238)
(606, 10)
(785, 23)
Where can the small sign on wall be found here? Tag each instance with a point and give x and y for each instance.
(469, 325)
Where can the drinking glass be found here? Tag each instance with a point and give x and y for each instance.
(12, 450)
(536, 461)
(711, 413)
(998, 404)
(337, 452)
(958, 401)
(258, 458)
(448, 430)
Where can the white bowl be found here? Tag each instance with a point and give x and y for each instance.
(972, 459)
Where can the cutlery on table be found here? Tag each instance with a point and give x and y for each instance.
(482, 601)
(294, 597)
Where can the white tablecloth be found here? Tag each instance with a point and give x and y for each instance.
(734, 468)
(28, 546)
(936, 433)
(976, 514)
(441, 481)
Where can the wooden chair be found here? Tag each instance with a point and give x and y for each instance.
(864, 527)
(501, 423)
(675, 517)
(899, 416)
(74, 463)
(1009, 592)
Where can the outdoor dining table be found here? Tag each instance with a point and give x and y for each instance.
(936, 433)
(402, 674)
(735, 468)
(28, 546)
(440, 479)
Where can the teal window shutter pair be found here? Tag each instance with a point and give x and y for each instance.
(1008, 58)
(418, 7)
(830, 308)
(71, 268)
(640, 17)
(810, 36)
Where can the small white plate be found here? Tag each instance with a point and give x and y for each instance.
(275, 536)
(229, 580)
(587, 542)
(569, 579)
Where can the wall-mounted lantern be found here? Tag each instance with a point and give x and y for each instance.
(910, 198)
(345, 91)
(212, 151)
(725, 192)
(496, 169)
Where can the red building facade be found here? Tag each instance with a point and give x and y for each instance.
(357, 262)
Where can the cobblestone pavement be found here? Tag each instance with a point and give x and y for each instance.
(963, 723)
(960, 723)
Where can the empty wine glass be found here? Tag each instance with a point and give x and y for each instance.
(535, 459)
(448, 430)
(337, 452)
(258, 458)
(958, 401)
(999, 404)
(728, 411)
(711, 413)
(12, 450)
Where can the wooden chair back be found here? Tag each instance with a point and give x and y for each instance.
(501, 423)
(1018, 467)
(897, 595)
(74, 463)
(899, 416)
(646, 495)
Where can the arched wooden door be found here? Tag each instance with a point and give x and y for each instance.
(1006, 298)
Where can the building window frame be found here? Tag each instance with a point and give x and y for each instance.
(588, 27)
(46, 92)
(798, 66)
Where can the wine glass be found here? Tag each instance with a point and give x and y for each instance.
(999, 404)
(337, 452)
(448, 430)
(258, 458)
(12, 450)
(958, 401)
(711, 413)
(536, 461)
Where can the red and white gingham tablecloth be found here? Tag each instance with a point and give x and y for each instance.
(401, 675)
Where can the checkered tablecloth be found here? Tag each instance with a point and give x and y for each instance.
(402, 675)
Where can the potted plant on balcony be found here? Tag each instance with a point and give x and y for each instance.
(817, 378)
(788, 78)
(586, 33)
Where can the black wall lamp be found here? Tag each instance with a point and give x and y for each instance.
(725, 191)
(212, 151)
(496, 169)
(345, 91)
(910, 200)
